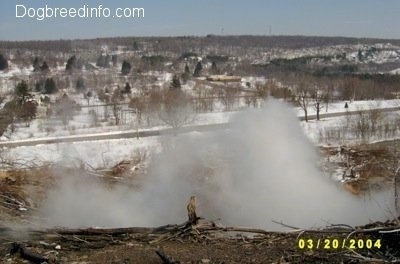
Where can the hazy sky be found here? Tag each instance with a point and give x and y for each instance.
(357, 18)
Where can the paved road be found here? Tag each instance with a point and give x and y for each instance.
(150, 133)
(327, 115)
(110, 135)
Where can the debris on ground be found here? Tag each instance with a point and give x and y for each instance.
(205, 243)
(362, 168)
(198, 240)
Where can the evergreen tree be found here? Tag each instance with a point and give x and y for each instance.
(135, 46)
(44, 67)
(50, 86)
(3, 63)
(73, 63)
(127, 89)
(99, 62)
(126, 67)
(176, 83)
(36, 64)
(114, 59)
(214, 68)
(198, 69)
(39, 86)
(360, 56)
(187, 70)
(186, 74)
(107, 60)
(70, 63)
(80, 85)
(22, 91)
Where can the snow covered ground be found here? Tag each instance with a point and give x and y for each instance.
(83, 125)
(95, 154)
(338, 107)
(109, 152)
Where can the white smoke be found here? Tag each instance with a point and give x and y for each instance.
(261, 169)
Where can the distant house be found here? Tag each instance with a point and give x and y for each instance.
(224, 78)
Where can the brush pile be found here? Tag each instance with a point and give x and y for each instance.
(211, 242)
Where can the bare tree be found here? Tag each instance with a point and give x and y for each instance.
(229, 96)
(327, 97)
(303, 100)
(318, 99)
(176, 109)
(153, 106)
(27, 112)
(263, 89)
(396, 183)
(362, 125)
(203, 101)
(375, 116)
(105, 98)
(116, 108)
(303, 95)
(138, 103)
(349, 87)
(65, 109)
(396, 174)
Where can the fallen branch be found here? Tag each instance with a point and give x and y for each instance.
(100, 231)
(234, 229)
(26, 254)
(285, 225)
(166, 259)
(359, 256)
(389, 231)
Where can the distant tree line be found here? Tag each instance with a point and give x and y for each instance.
(177, 44)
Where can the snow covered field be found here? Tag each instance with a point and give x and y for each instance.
(80, 125)
(89, 154)
(109, 152)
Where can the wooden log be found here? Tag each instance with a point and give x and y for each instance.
(166, 259)
(27, 254)
(101, 231)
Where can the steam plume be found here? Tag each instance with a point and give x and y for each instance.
(261, 169)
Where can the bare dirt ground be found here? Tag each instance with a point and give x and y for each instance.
(200, 246)
(21, 191)
(364, 168)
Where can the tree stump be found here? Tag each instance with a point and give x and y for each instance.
(191, 208)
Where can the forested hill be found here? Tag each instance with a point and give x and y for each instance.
(170, 43)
